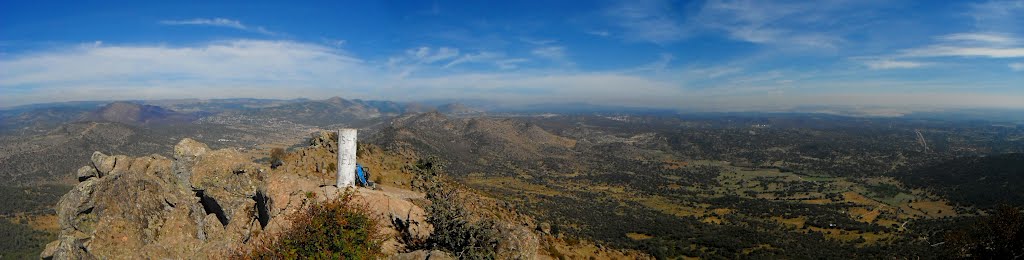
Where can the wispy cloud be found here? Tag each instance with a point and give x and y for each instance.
(762, 22)
(334, 42)
(965, 51)
(985, 45)
(647, 21)
(998, 15)
(416, 59)
(538, 41)
(893, 64)
(428, 55)
(512, 63)
(498, 60)
(657, 66)
(1017, 66)
(556, 53)
(989, 38)
(220, 22)
(474, 58)
(601, 33)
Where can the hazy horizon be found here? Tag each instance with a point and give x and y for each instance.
(706, 55)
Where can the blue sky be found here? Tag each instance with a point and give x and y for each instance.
(707, 55)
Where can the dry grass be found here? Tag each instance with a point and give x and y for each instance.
(638, 236)
(864, 214)
(512, 184)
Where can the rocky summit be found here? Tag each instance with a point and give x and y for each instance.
(201, 203)
(210, 204)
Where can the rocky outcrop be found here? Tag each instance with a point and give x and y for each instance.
(204, 203)
(198, 205)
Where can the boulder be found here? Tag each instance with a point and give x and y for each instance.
(103, 163)
(189, 148)
(185, 154)
(86, 172)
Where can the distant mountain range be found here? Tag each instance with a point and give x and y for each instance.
(335, 110)
(139, 114)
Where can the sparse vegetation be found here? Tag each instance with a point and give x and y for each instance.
(30, 199)
(20, 241)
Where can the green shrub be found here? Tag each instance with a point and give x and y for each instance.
(336, 229)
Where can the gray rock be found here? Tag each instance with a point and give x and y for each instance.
(186, 153)
(422, 255)
(86, 172)
(103, 163)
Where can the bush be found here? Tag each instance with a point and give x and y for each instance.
(454, 230)
(336, 229)
(276, 157)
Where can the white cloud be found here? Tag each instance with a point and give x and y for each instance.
(988, 45)
(220, 22)
(893, 64)
(287, 69)
(1017, 66)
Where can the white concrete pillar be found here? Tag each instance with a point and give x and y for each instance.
(346, 158)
